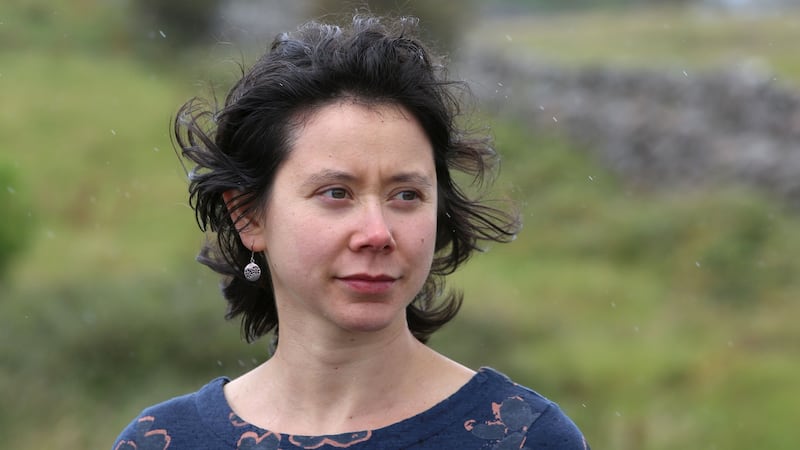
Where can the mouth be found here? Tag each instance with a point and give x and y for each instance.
(367, 283)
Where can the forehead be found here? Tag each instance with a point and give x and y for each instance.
(349, 128)
(365, 110)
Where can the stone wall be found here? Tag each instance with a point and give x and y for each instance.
(659, 129)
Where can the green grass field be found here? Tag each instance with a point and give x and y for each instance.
(657, 321)
(653, 38)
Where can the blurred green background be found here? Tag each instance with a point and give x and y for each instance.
(657, 317)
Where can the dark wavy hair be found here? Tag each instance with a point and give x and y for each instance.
(241, 146)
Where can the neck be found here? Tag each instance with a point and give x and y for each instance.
(344, 383)
(338, 352)
(343, 375)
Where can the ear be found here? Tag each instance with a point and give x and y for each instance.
(249, 226)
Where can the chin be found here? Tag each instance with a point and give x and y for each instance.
(372, 321)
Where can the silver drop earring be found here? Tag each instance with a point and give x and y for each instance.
(252, 271)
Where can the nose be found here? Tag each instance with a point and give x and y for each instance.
(373, 231)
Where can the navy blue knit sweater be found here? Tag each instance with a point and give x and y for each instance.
(489, 412)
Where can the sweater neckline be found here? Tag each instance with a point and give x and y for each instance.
(221, 420)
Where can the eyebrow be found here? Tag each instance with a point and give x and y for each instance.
(412, 178)
(327, 176)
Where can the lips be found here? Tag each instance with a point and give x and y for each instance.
(368, 284)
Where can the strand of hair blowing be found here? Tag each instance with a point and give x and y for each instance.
(240, 147)
(215, 172)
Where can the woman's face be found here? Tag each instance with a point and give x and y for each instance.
(350, 225)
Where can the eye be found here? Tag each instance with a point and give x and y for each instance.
(407, 196)
(335, 193)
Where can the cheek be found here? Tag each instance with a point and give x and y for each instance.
(291, 240)
(427, 238)
(302, 237)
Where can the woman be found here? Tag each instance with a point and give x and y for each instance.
(326, 177)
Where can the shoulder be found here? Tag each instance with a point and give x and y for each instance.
(179, 418)
(523, 418)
